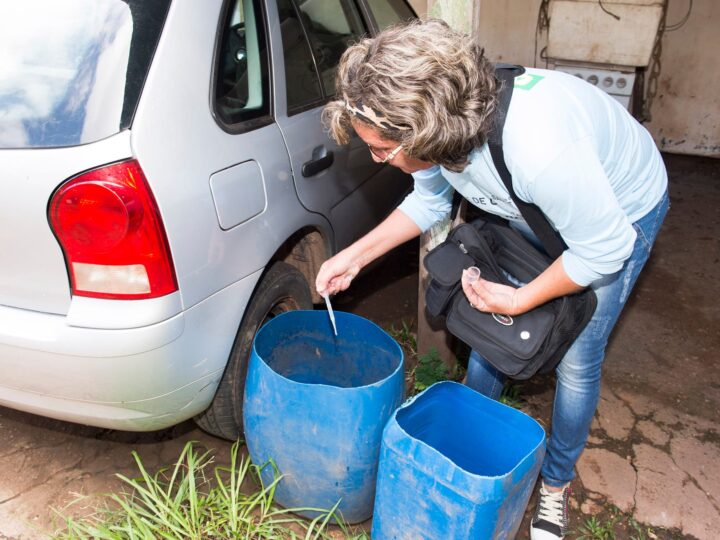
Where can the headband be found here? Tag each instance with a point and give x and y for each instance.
(366, 113)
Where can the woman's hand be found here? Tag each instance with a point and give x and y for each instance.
(492, 297)
(336, 273)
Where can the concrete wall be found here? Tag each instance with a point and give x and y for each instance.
(507, 30)
(686, 109)
(506, 27)
(460, 14)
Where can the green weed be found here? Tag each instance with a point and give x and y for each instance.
(429, 370)
(641, 532)
(594, 529)
(510, 395)
(405, 337)
(189, 501)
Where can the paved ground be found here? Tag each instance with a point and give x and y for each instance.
(654, 453)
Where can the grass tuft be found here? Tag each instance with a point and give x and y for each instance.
(510, 395)
(405, 337)
(188, 501)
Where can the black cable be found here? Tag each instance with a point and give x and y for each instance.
(543, 23)
(606, 11)
(651, 73)
(681, 23)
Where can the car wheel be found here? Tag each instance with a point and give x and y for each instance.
(282, 288)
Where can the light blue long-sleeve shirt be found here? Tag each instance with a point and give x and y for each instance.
(573, 151)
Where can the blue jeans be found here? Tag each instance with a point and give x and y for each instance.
(578, 374)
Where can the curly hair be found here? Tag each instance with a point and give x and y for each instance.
(432, 82)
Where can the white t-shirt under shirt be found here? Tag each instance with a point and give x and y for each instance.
(573, 151)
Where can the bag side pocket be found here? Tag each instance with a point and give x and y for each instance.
(574, 313)
(444, 264)
(438, 297)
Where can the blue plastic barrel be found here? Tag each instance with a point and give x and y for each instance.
(316, 404)
(455, 465)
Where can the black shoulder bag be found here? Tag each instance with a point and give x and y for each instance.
(518, 346)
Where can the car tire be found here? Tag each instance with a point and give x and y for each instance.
(282, 288)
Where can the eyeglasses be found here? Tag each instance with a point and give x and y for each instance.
(388, 156)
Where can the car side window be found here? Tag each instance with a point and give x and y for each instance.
(301, 79)
(389, 12)
(331, 26)
(242, 87)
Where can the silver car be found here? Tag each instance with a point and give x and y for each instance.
(166, 186)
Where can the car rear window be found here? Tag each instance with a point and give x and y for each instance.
(73, 69)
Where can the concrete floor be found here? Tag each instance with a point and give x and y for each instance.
(654, 451)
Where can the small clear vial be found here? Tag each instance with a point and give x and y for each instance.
(473, 274)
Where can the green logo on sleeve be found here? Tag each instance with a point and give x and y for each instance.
(526, 81)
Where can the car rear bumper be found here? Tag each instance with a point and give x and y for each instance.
(136, 379)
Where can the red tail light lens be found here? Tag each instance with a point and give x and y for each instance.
(109, 227)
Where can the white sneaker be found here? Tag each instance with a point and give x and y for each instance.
(550, 521)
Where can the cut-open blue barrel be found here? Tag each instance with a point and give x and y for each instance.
(316, 404)
(455, 464)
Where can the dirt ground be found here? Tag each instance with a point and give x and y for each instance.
(651, 468)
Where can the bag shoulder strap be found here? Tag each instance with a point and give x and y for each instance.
(548, 236)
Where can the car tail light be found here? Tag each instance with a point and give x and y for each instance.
(109, 227)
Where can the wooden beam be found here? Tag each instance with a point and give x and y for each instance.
(431, 333)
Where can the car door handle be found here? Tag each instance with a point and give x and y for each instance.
(318, 163)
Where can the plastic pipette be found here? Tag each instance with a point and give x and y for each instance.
(330, 312)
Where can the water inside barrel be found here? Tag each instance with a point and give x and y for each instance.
(317, 359)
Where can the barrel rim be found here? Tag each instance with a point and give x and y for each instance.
(393, 421)
(338, 315)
